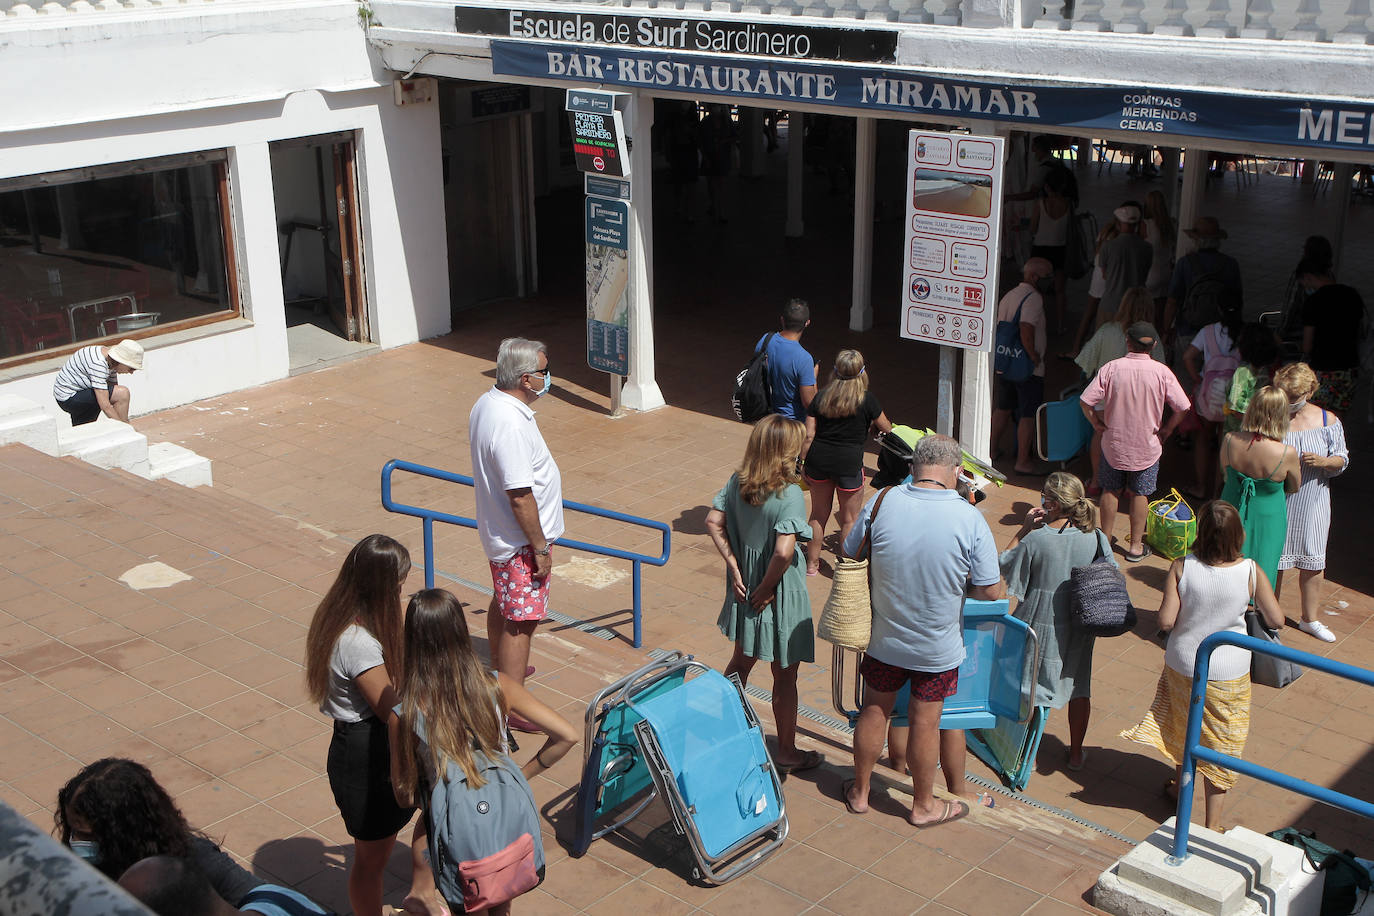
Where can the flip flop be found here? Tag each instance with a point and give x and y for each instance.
(844, 797)
(1137, 557)
(810, 760)
(954, 810)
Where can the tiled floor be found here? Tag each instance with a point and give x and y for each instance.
(202, 679)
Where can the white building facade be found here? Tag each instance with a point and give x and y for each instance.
(195, 174)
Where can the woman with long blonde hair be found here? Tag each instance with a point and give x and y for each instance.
(451, 698)
(353, 638)
(1058, 535)
(755, 522)
(1260, 468)
(837, 426)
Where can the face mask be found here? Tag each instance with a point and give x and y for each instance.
(548, 383)
(1296, 407)
(86, 849)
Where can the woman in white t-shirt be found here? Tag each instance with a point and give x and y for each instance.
(1207, 592)
(356, 631)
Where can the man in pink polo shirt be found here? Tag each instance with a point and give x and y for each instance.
(1132, 391)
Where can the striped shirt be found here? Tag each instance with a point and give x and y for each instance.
(86, 370)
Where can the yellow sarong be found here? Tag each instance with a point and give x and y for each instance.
(1225, 722)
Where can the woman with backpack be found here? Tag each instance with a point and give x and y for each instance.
(353, 637)
(837, 426)
(449, 744)
(1210, 360)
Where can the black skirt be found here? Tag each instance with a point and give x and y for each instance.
(360, 777)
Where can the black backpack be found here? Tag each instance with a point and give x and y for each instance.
(753, 397)
(1347, 881)
(1202, 303)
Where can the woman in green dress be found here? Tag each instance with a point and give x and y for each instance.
(755, 522)
(1260, 471)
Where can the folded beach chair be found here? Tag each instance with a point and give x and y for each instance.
(682, 731)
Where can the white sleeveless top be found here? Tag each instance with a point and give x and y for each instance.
(1212, 599)
(1049, 231)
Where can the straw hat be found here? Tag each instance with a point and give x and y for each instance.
(128, 352)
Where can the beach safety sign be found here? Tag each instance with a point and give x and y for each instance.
(953, 222)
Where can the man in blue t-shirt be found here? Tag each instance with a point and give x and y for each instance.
(791, 370)
(929, 550)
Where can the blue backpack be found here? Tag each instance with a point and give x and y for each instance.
(1012, 362)
(484, 844)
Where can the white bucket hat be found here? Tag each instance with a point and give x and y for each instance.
(128, 352)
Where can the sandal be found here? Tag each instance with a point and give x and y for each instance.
(844, 797)
(954, 810)
(1137, 557)
(810, 760)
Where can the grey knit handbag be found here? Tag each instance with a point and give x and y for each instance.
(1098, 599)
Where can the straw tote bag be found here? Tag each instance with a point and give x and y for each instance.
(847, 619)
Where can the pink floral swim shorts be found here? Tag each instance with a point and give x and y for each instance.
(519, 595)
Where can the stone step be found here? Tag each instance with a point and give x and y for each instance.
(106, 443)
(22, 422)
(169, 461)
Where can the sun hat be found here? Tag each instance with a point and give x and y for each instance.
(1206, 227)
(128, 352)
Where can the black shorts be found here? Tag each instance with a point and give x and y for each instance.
(1021, 398)
(83, 407)
(846, 482)
(1052, 253)
(360, 777)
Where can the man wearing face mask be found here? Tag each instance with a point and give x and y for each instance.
(519, 503)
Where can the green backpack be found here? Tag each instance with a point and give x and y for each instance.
(1346, 878)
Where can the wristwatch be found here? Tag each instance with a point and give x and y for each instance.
(545, 552)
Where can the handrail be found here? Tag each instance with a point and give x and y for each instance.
(430, 516)
(1193, 751)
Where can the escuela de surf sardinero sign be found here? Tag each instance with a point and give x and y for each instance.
(681, 33)
(1143, 111)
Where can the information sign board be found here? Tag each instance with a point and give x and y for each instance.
(608, 280)
(614, 188)
(953, 225)
(598, 133)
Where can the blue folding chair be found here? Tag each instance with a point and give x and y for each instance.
(697, 744)
(1062, 432)
(996, 679)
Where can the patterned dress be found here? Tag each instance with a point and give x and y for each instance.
(1309, 509)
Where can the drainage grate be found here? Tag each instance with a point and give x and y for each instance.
(842, 726)
(589, 628)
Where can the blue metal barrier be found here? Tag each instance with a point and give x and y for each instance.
(430, 516)
(1193, 751)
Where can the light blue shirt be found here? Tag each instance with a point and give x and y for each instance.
(928, 547)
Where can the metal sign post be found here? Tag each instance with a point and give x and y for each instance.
(950, 258)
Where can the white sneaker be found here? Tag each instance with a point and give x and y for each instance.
(1318, 629)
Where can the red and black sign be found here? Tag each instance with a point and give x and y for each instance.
(598, 143)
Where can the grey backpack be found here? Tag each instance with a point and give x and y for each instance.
(484, 843)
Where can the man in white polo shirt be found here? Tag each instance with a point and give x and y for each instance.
(519, 503)
(86, 385)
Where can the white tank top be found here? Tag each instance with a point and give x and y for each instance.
(1212, 599)
(1050, 231)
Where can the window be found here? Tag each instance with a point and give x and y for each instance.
(114, 251)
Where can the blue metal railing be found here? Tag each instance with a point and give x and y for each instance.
(430, 516)
(1193, 751)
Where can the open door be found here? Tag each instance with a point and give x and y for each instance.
(348, 311)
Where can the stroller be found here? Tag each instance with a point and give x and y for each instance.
(695, 742)
(894, 462)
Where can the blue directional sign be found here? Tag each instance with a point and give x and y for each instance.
(608, 223)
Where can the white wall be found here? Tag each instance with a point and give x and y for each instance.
(236, 81)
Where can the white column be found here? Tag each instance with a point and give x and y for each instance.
(975, 405)
(796, 137)
(865, 148)
(1194, 176)
(641, 390)
(258, 256)
(1337, 206)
